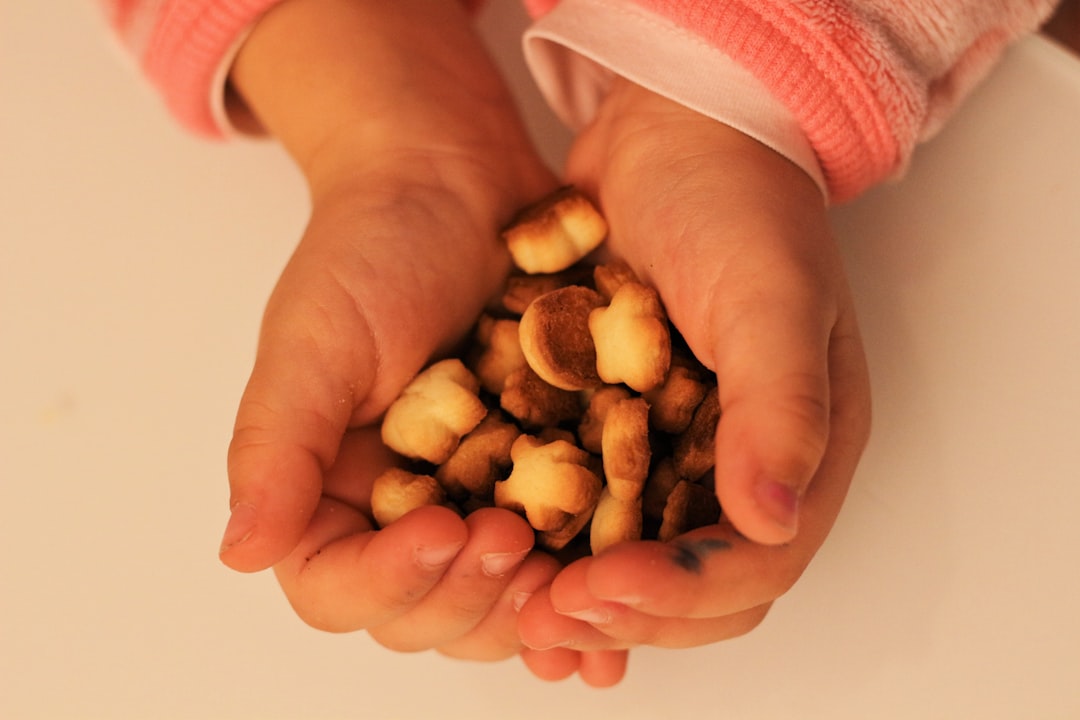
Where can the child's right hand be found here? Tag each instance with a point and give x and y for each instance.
(389, 272)
(415, 158)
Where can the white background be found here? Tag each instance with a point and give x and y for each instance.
(134, 262)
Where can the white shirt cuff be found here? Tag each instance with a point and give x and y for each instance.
(217, 88)
(575, 49)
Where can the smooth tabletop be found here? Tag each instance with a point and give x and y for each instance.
(134, 263)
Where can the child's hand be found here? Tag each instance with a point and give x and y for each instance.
(736, 240)
(374, 288)
(389, 272)
(415, 158)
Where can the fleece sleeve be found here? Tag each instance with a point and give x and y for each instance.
(861, 81)
(185, 49)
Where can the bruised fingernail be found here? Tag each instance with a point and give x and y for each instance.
(240, 526)
(593, 616)
(498, 564)
(520, 598)
(433, 558)
(780, 502)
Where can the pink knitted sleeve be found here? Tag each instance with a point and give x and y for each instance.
(865, 79)
(184, 46)
(181, 45)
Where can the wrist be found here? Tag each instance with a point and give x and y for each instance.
(639, 129)
(339, 82)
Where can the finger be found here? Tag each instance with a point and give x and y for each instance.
(344, 576)
(850, 412)
(774, 422)
(496, 636)
(598, 666)
(764, 321)
(769, 350)
(710, 572)
(552, 665)
(628, 627)
(498, 542)
(542, 628)
(603, 668)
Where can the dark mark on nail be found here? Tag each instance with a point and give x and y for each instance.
(689, 554)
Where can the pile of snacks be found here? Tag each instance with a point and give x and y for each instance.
(576, 404)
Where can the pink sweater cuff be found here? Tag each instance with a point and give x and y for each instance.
(185, 48)
(575, 50)
(864, 79)
(849, 96)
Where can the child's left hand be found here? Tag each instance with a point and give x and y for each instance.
(736, 240)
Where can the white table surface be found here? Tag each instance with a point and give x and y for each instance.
(134, 262)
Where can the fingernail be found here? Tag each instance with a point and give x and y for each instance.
(781, 502)
(498, 564)
(240, 526)
(520, 598)
(433, 558)
(593, 616)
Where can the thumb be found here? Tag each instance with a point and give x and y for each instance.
(289, 425)
(773, 375)
(764, 328)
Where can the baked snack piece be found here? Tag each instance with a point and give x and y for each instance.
(434, 412)
(481, 458)
(396, 491)
(632, 338)
(626, 449)
(497, 354)
(555, 338)
(556, 232)
(614, 521)
(611, 276)
(689, 506)
(586, 413)
(522, 289)
(551, 485)
(535, 403)
(672, 403)
(590, 430)
(695, 448)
